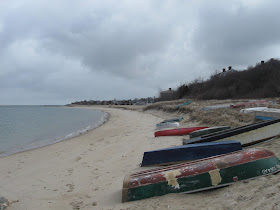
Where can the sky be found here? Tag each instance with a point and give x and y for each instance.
(58, 52)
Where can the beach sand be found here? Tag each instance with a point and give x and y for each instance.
(87, 172)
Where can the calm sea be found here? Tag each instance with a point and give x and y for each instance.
(28, 127)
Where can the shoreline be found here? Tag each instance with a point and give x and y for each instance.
(87, 172)
(47, 142)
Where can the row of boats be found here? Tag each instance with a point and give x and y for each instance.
(210, 158)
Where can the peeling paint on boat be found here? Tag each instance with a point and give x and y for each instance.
(171, 178)
(215, 176)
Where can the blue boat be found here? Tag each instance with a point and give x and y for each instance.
(190, 152)
(183, 104)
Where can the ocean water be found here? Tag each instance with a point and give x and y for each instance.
(28, 127)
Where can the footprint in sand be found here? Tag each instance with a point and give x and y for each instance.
(71, 187)
(78, 158)
(70, 171)
(76, 205)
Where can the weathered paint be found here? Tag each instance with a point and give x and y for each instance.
(199, 175)
(171, 178)
(215, 176)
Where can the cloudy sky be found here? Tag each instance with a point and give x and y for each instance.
(58, 52)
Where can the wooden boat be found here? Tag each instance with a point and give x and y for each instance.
(267, 114)
(200, 175)
(177, 132)
(247, 135)
(175, 119)
(190, 152)
(252, 103)
(208, 131)
(167, 125)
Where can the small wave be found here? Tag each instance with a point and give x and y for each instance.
(46, 142)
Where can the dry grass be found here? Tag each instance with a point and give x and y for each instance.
(193, 112)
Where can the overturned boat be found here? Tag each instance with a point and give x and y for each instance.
(163, 125)
(200, 175)
(177, 132)
(189, 152)
(247, 135)
(175, 119)
(206, 131)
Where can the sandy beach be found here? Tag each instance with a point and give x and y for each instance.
(87, 172)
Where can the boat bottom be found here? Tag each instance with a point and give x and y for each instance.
(200, 182)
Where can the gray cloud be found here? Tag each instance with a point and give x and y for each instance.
(235, 33)
(59, 52)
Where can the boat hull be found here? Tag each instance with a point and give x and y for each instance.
(176, 119)
(177, 132)
(253, 103)
(190, 152)
(208, 131)
(200, 175)
(167, 125)
(247, 135)
(268, 114)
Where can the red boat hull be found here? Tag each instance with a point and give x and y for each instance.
(178, 131)
(248, 104)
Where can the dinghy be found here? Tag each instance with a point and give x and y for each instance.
(177, 132)
(247, 135)
(208, 131)
(200, 175)
(167, 125)
(190, 152)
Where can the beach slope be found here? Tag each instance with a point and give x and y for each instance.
(87, 172)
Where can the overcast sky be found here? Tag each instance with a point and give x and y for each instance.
(58, 52)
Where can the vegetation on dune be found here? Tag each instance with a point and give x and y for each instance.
(220, 117)
(261, 81)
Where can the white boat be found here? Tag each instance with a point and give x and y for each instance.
(268, 114)
(254, 109)
(167, 125)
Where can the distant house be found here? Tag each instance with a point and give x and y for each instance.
(224, 72)
(167, 95)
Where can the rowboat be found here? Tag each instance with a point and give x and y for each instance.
(254, 109)
(200, 175)
(247, 135)
(167, 125)
(267, 114)
(214, 107)
(208, 131)
(252, 103)
(190, 152)
(177, 132)
(175, 119)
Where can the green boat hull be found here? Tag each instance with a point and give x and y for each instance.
(198, 182)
